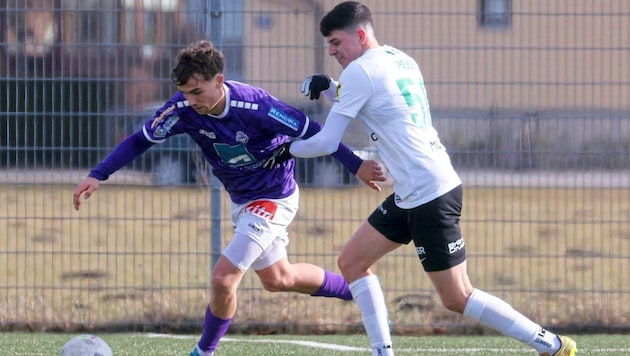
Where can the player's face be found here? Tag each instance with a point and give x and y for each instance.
(205, 96)
(345, 46)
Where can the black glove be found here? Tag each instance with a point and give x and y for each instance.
(279, 155)
(314, 85)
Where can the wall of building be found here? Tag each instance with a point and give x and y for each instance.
(563, 54)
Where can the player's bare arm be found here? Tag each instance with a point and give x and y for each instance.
(85, 188)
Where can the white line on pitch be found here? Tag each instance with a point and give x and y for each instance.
(319, 345)
(270, 341)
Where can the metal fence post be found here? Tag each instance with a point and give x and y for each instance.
(215, 184)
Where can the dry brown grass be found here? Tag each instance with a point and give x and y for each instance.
(140, 255)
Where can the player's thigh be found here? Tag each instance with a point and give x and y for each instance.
(260, 234)
(391, 221)
(453, 286)
(274, 255)
(383, 231)
(244, 252)
(366, 246)
(226, 275)
(453, 280)
(436, 233)
(265, 219)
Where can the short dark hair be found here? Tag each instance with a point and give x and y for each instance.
(198, 58)
(344, 16)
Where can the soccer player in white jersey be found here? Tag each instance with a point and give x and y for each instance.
(383, 88)
(238, 128)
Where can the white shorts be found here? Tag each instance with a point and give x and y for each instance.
(260, 234)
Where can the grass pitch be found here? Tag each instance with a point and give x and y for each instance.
(46, 344)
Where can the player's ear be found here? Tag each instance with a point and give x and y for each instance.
(362, 33)
(220, 80)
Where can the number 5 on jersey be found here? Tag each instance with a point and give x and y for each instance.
(415, 95)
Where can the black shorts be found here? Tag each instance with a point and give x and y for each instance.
(433, 227)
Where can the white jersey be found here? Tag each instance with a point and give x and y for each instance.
(384, 89)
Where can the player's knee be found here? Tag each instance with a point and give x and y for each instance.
(276, 284)
(221, 284)
(454, 304)
(341, 263)
(347, 267)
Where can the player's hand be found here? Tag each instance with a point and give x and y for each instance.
(85, 188)
(279, 155)
(314, 85)
(371, 172)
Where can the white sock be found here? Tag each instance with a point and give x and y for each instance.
(499, 315)
(368, 295)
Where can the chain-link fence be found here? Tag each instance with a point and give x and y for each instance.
(530, 98)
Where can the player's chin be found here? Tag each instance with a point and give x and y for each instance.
(200, 111)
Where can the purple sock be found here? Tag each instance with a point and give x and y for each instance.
(213, 330)
(333, 286)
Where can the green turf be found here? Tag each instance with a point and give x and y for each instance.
(279, 345)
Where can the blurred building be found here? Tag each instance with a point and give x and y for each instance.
(481, 59)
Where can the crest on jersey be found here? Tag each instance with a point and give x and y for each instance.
(163, 128)
(241, 137)
(338, 92)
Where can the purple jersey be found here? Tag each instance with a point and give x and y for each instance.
(237, 142)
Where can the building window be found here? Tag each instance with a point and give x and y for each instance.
(495, 13)
(30, 28)
(88, 23)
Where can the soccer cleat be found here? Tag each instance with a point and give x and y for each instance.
(567, 347)
(197, 352)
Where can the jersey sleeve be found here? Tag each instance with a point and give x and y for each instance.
(164, 123)
(284, 119)
(354, 90)
(328, 139)
(123, 154)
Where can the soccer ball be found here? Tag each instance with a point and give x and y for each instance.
(86, 345)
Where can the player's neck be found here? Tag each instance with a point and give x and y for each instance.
(369, 45)
(219, 106)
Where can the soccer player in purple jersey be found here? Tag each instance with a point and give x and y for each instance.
(239, 128)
